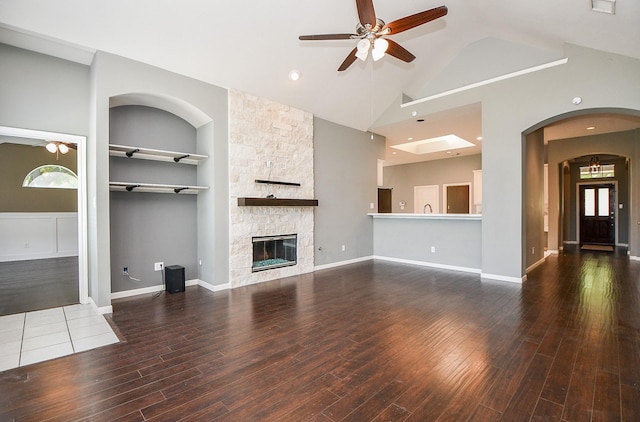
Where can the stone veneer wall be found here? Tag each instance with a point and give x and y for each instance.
(261, 130)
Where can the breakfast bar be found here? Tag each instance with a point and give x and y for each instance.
(449, 241)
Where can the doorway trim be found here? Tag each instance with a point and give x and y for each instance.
(81, 142)
(444, 196)
(615, 206)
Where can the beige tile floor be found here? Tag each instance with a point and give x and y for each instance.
(42, 335)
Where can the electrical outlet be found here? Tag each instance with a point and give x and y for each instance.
(344, 248)
(433, 249)
(158, 266)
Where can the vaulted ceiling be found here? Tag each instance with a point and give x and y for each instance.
(253, 45)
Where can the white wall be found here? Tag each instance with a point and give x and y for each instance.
(41, 235)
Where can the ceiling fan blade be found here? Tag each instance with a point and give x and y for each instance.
(418, 19)
(349, 60)
(321, 37)
(398, 51)
(366, 12)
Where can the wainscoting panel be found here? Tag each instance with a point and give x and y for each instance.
(39, 235)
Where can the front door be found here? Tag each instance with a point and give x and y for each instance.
(597, 214)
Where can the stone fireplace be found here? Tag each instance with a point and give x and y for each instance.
(269, 141)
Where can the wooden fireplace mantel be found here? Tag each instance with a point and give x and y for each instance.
(276, 202)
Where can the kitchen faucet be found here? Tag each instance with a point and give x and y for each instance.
(424, 209)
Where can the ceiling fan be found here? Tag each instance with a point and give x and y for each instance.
(371, 32)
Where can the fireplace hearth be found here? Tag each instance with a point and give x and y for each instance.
(274, 251)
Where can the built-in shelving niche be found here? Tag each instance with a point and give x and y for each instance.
(179, 157)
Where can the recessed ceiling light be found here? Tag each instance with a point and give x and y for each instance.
(576, 100)
(479, 138)
(394, 152)
(414, 113)
(591, 127)
(294, 75)
(409, 138)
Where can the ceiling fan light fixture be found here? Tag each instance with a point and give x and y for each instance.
(63, 148)
(363, 49)
(51, 147)
(379, 48)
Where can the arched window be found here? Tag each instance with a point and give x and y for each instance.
(52, 176)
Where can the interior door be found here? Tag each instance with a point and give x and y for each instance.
(597, 214)
(458, 199)
(384, 200)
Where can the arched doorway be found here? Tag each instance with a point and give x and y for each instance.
(565, 143)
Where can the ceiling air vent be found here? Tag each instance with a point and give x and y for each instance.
(604, 6)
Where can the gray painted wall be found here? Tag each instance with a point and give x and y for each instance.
(147, 227)
(456, 243)
(533, 188)
(403, 178)
(345, 160)
(41, 92)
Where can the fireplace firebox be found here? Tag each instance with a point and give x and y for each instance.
(274, 251)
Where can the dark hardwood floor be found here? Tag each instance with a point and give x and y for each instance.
(38, 284)
(372, 341)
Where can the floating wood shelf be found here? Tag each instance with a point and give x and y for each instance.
(274, 182)
(276, 202)
(155, 188)
(155, 154)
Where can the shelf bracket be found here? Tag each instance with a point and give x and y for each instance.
(178, 190)
(177, 159)
(131, 187)
(130, 153)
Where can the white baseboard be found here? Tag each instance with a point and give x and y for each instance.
(213, 288)
(430, 264)
(517, 280)
(136, 292)
(160, 287)
(537, 264)
(341, 263)
(100, 309)
(551, 252)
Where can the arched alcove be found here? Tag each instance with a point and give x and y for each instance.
(168, 224)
